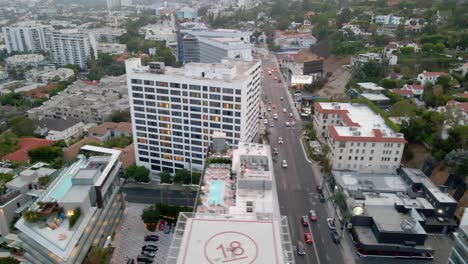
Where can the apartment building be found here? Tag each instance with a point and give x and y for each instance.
(430, 77)
(239, 203)
(23, 61)
(79, 209)
(176, 110)
(213, 45)
(27, 36)
(359, 138)
(71, 47)
(459, 253)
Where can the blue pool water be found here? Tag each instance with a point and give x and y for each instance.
(65, 184)
(216, 193)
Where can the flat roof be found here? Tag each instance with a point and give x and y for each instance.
(418, 176)
(371, 86)
(386, 218)
(351, 180)
(208, 240)
(375, 97)
(76, 194)
(361, 123)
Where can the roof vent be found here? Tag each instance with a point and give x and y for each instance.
(157, 67)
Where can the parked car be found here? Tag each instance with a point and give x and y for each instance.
(313, 215)
(280, 140)
(144, 259)
(281, 98)
(331, 223)
(152, 238)
(319, 189)
(300, 249)
(285, 164)
(275, 116)
(167, 229)
(287, 124)
(322, 198)
(151, 248)
(269, 109)
(308, 238)
(275, 151)
(335, 237)
(130, 261)
(265, 122)
(291, 115)
(279, 80)
(304, 220)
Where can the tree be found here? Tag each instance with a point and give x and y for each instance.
(47, 154)
(98, 256)
(138, 173)
(182, 176)
(344, 16)
(404, 108)
(457, 161)
(165, 177)
(74, 67)
(407, 50)
(21, 126)
(8, 143)
(151, 214)
(120, 116)
(444, 80)
(9, 260)
(400, 32)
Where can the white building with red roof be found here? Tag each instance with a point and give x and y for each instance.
(359, 138)
(410, 90)
(430, 77)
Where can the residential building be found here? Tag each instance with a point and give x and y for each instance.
(111, 48)
(3, 75)
(27, 36)
(57, 75)
(376, 57)
(245, 211)
(108, 130)
(90, 102)
(106, 34)
(288, 40)
(113, 4)
(461, 69)
(163, 31)
(213, 45)
(359, 139)
(455, 110)
(355, 29)
(184, 106)
(24, 60)
(19, 193)
(388, 19)
(25, 145)
(429, 77)
(187, 14)
(87, 190)
(71, 47)
(65, 129)
(410, 91)
(373, 93)
(459, 254)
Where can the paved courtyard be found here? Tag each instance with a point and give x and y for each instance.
(130, 234)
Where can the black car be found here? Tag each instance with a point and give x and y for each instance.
(144, 259)
(300, 249)
(130, 261)
(335, 237)
(319, 189)
(167, 229)
(322, 198)
(150, 248)
(148, 254)
(152, 238)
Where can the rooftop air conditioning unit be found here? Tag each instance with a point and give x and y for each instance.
(157, 67)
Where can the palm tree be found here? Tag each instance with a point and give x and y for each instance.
(31, 216)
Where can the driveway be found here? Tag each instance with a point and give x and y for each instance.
(130, 234)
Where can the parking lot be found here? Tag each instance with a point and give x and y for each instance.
(129, 238)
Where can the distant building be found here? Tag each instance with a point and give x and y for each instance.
(27, 36)
(113, 4)
(359, 138)
(106, 34)
(111, 48)
(429, 77)
(187, 14)
(59, 129)
(410, 91)
(71, 47)
(108, 130)
(460, 247)
(388, 19)
(371, 56)
(3, 75)
(88, 189)
(287, 40)
(24, 60)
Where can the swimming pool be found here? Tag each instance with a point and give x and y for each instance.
(216, 193)
(64, 185)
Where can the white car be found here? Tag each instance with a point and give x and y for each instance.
(290, 115)
(275, 116)
(276, 78)
(280, 140)
(265, 122)
(285, 164)
(331, 223)
(271, 124)
(284, 110)
(269, 109)
(287, 124)
(281, 98)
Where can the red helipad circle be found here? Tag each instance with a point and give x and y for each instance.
(231, 247)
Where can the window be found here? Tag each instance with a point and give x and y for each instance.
(146, 82)
(149, 90)
(175, 85)
(340, 157)
(136, 81)
(162, 84)
(195, 87)
(228, 90)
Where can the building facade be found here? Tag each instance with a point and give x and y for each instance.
(27, 36)
(88, 190)
(71, 47)
(358, 138)
(175, 111)
(459, 253)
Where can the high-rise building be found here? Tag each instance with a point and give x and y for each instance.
(459, 253)
(79, 209)
(28, 36)
(359, 139)
(113, 4)
(71, 47)
(176, 110)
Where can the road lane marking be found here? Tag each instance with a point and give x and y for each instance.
(313, 244)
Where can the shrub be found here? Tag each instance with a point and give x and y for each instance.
(74, 218)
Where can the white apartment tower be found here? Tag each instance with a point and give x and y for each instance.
(176, 110)
(359, 139)
(113, 4)
(71, 47)
(27, 36)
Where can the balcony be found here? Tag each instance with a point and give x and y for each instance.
(8, 196)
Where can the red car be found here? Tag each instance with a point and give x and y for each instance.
(304, 220)
(308, 238)
(279, 80)
(313, 215)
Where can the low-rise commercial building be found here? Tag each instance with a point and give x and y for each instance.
(78, 210)
(359, 139)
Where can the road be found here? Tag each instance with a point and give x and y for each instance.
(296, 184)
